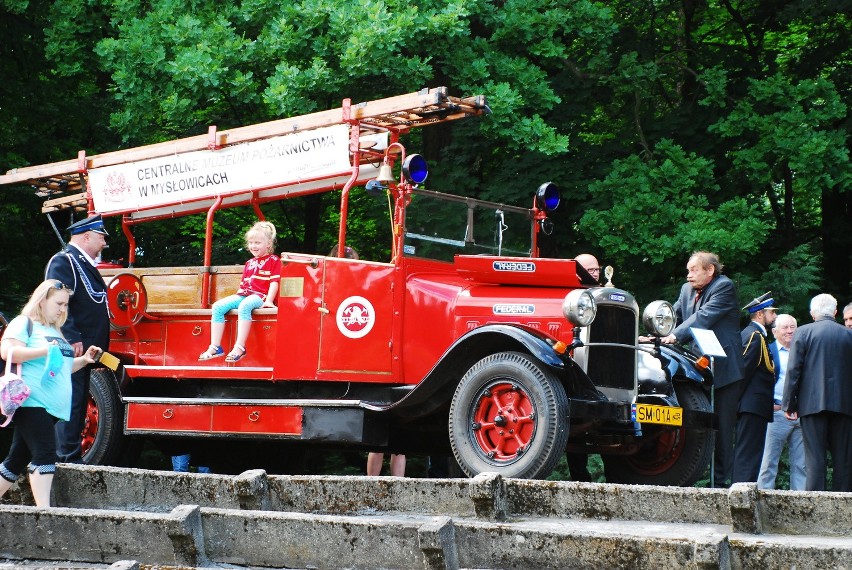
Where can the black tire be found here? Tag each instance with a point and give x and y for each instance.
(509, 415)
(668, 456)
(104, 442)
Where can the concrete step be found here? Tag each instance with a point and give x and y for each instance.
(108, 515)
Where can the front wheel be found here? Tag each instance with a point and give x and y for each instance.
(509, 415)
(668, 456)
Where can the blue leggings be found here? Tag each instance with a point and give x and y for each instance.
(243, 305)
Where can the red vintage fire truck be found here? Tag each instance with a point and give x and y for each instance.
(463, 342)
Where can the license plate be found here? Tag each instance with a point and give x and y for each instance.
(650, 414)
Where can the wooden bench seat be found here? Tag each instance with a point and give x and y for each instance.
(179, 288)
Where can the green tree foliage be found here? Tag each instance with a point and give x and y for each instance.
(668, 125)
(661, 207)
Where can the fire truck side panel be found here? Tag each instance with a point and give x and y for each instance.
(355, 332)
(188, 337)
(540, 309)
(299, 316)
(430, 300)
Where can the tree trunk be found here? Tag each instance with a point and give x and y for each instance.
(837, 243)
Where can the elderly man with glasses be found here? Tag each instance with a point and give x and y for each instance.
(781, 431)
(590, 263)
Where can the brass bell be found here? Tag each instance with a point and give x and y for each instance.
(385, 174)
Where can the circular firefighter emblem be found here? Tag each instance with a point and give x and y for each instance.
(355, 317)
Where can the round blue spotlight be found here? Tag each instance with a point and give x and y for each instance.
(547, 197)
(414, 169)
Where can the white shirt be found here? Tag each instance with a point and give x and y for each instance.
(86, 255)
(781, 366)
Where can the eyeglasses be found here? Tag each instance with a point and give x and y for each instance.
(60, 285)
(593, 269)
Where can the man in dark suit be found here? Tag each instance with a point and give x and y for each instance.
(819, 392)
(755, 410)
(708, 300)
(87, 323)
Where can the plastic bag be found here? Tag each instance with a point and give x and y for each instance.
(13, 391)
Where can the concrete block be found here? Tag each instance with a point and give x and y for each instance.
(99, 487)
(489, 494)
(252, 490)
(749, 552)
(745, 508)
(558, 543)
(296, 540)
(102, 536)
(806, 512)
(353, 495)
(601, 501)
(438, 542)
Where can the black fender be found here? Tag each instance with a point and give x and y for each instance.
(679, 366)
(682, 364)
(679, 363)
(434, 393)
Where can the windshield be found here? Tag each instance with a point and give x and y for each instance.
(439, 226)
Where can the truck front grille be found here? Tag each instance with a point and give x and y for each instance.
(613, 366)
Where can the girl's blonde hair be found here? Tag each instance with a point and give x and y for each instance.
(265, 229)
(44, 291)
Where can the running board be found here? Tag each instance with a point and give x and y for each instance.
(211, 372)
(314, 420)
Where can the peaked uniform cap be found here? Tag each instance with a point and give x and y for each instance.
(763, 303)
(91, 224)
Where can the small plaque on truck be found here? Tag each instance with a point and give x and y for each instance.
(650, 414)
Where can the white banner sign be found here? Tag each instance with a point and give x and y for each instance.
(208, 173)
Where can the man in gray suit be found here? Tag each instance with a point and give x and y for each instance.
(708, 300)
(819, 393)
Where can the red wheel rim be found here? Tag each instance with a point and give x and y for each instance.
(90, 428)
(503, 421)
(660, 455)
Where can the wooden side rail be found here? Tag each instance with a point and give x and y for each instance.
(171, 288)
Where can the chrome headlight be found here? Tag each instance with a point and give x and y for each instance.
(579, 308)
(659, 318)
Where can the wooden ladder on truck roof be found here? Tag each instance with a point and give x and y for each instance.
(65, 183)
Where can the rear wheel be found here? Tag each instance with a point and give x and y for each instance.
(510, 416)
(668, 456)
(104, 442)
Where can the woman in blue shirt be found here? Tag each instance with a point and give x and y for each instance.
(46, 363)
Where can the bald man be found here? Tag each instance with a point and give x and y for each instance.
(578, 463)
(590, 263)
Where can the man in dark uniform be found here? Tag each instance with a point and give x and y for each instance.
(708, 300)
(87, 323)
(819, 392)
(755, 410)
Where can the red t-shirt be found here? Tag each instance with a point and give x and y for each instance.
(258, 274)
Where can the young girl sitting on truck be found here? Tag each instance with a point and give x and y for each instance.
(258, 288)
